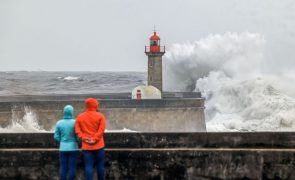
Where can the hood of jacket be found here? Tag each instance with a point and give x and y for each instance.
(91, 104)
(68, 112)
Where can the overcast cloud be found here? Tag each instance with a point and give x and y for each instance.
(74, 35)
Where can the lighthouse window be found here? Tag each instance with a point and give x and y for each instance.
(154, 43)
(151, 63)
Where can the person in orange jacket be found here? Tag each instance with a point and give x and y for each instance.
(89, 127)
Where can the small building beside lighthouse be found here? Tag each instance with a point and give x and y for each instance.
(155, 52)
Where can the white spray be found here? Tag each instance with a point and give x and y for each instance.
(228, 70)
(27, 123)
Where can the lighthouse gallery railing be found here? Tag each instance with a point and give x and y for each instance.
(148, 49)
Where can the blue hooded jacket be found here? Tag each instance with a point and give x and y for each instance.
(65, 131)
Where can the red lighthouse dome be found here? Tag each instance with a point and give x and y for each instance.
(155, 36)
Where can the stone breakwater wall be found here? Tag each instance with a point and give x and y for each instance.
(176, 112)
(259, 155)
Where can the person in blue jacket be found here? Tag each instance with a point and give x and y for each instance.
(68, 144)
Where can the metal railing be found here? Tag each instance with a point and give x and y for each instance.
(148, 49)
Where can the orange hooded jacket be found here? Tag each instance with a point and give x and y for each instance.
(90, 125)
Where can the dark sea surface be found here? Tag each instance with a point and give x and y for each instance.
(40, 82)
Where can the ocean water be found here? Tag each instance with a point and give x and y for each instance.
(228, 69)
(38, 83)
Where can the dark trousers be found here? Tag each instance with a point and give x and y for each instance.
(67, 164)
(91, 157)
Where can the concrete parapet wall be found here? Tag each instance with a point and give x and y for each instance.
(166, 115)
(170, 156)
(257, 140)
(172, 164)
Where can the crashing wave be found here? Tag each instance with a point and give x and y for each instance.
(227, 70)
(252, 105)
(27, 123)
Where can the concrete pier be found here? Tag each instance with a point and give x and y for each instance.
(176, 112)
(265, 155)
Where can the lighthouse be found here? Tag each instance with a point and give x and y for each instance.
(155, 52)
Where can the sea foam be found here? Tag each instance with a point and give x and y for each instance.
(228, 70)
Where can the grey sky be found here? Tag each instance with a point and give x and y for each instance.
(110, 35)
